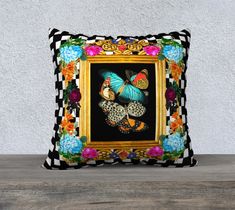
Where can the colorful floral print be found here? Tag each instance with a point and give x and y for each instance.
(68, 71)
(173, 143)
(70, 144)
(89, 153)
(123, 154)
(170, 94)
(177, 123)
(93, 50)
(122, 47)
(74, 148)
(174, 53)
(75, 96)
(155, 151)
(66, 125)
(114, 155)
(176, 71)
(70, 53)
(152, 50)
(132, 155)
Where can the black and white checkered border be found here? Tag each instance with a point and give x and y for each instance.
(54, 161)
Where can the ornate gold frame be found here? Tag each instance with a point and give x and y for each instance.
(85, 111)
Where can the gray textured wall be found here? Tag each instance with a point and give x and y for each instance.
(27, 82)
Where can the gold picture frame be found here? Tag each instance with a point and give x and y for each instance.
(85, 110)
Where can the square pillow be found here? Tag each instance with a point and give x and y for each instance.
(120, 100)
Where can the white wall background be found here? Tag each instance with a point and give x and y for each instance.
(26, 70)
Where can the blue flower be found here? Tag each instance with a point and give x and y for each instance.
(70, 144)
(114, 155)
(131, 155)
(115, 41)
(173, 143)
(129, 40)
(174, 53)
(70, 53)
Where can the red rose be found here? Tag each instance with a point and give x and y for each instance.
(75, 96)
(123, 154)
(170, 94)
(122, 47)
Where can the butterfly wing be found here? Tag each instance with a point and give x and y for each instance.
(117, 114)
(128, 93)
(106, 92)
(114, 111)
(128, 124)
(115, 81)
(140, 80)
(137, 126)
(131, 93)
(129, 74)
(106, 106)
(124, 126)
(136, 109)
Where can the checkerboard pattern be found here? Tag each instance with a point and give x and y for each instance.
(54, 161)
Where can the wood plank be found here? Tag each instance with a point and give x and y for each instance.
(25, 185)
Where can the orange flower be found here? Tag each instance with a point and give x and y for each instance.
(71, 66)
(66, 124)
(176, 70)
(68, 71)
(63, 123)
(174, 126)
(69, 127)
(177, 123)
(175, 115)
(68, 116)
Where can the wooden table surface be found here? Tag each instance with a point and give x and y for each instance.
(24, 184)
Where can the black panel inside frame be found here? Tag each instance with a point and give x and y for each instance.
(100, 130)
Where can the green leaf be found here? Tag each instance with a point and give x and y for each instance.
(77, 41)
(179, 130)
(70, 42)
(175, 86)
(83, 57)
(178, 97)
(83, 138)
(162, 137)
(65, 96)
(165, 156)
(63, 63)
(161, 57)
(165, 41)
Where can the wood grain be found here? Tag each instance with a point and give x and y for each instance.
(25, 185)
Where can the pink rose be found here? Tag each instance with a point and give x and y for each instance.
(89, 153)
(93, 50)
(152, 50)
(155, 151)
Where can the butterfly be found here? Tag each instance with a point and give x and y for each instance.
(139, 80)
(106, 92)
(128, 90)
(118, 115)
